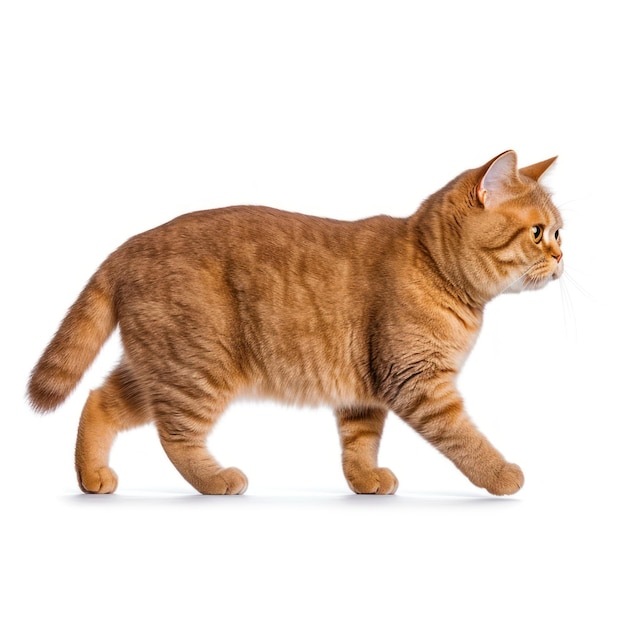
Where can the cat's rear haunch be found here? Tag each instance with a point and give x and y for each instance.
(368, 317)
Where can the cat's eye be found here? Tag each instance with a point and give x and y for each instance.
(536, 232)
(557, 234)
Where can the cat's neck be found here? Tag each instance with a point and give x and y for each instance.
(443, 271)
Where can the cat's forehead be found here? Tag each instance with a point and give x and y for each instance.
(535, 208)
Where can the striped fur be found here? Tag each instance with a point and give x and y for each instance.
(368, 317)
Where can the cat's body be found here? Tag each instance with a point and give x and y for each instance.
(365, 316)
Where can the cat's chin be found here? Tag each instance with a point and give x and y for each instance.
(536, 284)
(536, 281)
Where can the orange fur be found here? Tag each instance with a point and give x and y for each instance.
(365, 316)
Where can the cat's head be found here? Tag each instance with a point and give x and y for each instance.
(519, 228)
(497, 229)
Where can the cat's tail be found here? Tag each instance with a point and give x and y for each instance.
(87, 325)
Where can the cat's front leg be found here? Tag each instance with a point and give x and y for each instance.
(360, 429)
(439, 416)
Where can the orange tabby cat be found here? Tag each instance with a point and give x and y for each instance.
(365, 316)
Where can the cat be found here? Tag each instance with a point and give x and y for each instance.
(369, 316)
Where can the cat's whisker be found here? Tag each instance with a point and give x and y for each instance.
(568, 307)
(546, 201)
(564, 208)
(568, 276)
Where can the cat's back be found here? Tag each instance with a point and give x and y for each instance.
(267, 226)
(260, 235)
(259, 253)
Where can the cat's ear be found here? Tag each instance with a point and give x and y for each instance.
(537, 170)
(499, 181)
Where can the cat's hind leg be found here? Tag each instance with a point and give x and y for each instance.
(360, 429)
(117, 405)
(184, 424)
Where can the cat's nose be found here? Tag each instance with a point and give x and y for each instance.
(558, 256)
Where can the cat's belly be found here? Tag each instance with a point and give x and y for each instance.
(314, 388)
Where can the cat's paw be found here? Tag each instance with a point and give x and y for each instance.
(228, 481)
(506, 481)
(379, 481)
(101, 480)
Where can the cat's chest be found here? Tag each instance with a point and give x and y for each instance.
(448, 346)
(435, 321)
(439, 337)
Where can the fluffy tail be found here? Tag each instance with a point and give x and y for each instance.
(87, 325)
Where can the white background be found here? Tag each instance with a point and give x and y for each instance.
(117, 116)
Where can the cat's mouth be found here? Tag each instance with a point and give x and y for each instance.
(536, 276)
(560, 268)
(542, 274)
(536, 282)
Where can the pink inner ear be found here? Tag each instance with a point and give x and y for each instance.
(497, 183)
